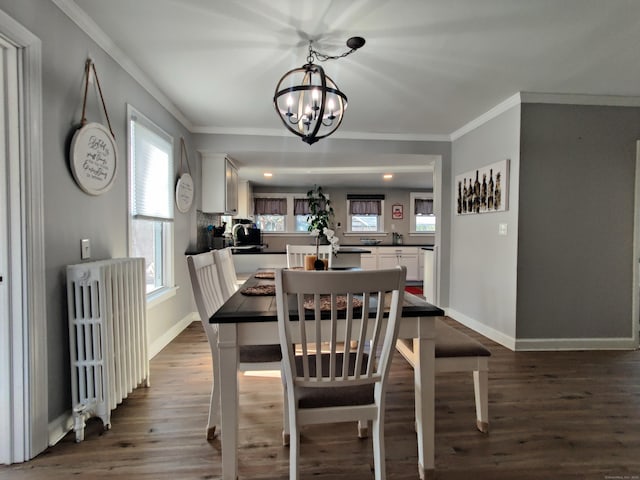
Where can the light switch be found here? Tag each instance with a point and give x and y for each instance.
(502, 229)
(85, 250)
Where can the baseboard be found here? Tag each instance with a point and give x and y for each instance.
(172, 333)
(482, 329)
(557, 344)
(543, 344)
(59, 427)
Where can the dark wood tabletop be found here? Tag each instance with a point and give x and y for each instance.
(256, 308)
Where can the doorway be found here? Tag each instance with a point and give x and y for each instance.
(635, 302)
(23, 367)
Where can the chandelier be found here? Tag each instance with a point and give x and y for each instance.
(308, 101)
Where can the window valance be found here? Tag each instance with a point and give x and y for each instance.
(270, 206)
(424, 206)
(301, 206)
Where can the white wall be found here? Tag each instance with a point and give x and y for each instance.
(482, 288)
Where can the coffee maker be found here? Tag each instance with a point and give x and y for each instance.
(245, 233)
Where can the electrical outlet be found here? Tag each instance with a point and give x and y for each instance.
(85, 249)
(502, 229)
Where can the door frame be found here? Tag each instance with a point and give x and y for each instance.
(27, 387)
(635, 299)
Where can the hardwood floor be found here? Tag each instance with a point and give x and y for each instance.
(554, 415)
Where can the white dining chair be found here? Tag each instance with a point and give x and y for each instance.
(209, 297)
(227, 270)
(296, 254)
(346, 382)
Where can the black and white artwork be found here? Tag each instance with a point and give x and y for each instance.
(483, 190)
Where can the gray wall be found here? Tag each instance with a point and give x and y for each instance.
(575, 262)
(483, 264)
(70, 214)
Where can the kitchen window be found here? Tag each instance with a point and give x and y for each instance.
(281, 212)
(151, 199)
(366, 213)
(423, 219)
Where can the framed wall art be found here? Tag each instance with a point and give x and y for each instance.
(396, 212)
(483, 190)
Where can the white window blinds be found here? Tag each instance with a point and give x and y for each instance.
(152, 171)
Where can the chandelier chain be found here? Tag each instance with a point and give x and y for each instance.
(323, 57)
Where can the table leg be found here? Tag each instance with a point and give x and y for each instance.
(424, 372)
(228, 350)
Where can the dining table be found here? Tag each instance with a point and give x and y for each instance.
(252, 320)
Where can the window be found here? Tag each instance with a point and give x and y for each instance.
(151, 194)
(423, 219)
(301, 213)
(281, 212)
(271, 214)
(365, 213)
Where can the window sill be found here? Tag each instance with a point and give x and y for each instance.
(421, 234)
(365, 234)
(156, 298)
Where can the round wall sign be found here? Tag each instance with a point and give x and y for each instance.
(184, 193)
(93, 158)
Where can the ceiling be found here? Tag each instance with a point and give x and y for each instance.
(429, 67)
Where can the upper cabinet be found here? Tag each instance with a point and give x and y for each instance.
(219, 184)
(245, 199)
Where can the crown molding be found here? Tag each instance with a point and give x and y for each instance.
(87, 25)
(272, 132)
(489, 115)
(580, 99)
(547, 98)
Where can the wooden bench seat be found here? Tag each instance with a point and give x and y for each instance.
(457, 352)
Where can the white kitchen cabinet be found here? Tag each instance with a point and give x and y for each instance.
(369, 261)
(389, 257)
(245, 199)
(429, 285)
(219, 184)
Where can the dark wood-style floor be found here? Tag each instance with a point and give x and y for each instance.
(554, 415)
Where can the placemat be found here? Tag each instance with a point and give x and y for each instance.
(266, 274)
(259, 290)
(325, 303)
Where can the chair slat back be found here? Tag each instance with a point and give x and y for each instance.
(296, 254)
(356, 312)
(207, 292)
(227, 271)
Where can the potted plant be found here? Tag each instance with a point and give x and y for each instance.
(320, 211)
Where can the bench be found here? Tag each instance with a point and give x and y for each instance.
(457, 352)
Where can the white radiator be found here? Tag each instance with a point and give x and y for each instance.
(107, 336)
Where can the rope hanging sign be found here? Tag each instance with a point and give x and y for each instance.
(94, 151)
(184, 185)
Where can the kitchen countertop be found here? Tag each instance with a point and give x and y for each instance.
(344, 249)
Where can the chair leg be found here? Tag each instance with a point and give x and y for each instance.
(378, 448)
(286, 430)
(214, 405)
(363, 428)
(294, 453)
(481, 391)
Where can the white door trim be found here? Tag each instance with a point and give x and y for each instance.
(635, 299)
(28, 387)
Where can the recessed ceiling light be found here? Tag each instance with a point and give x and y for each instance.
(387, 176)
(268, 174)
